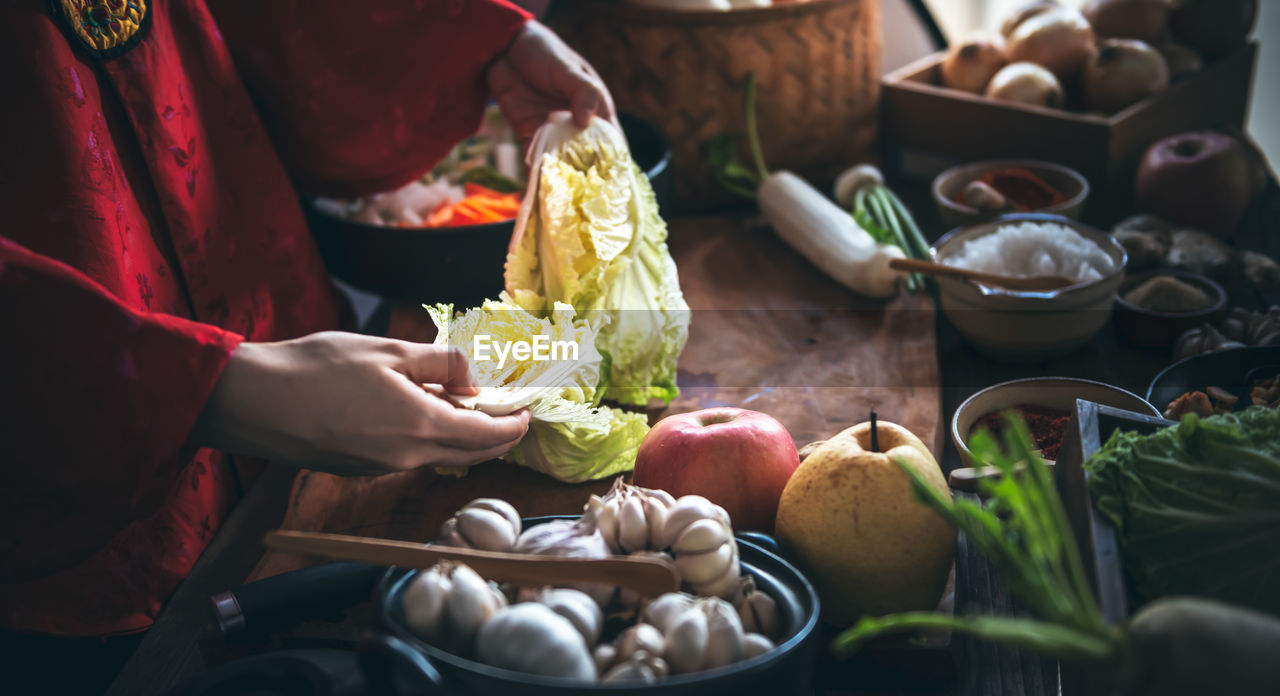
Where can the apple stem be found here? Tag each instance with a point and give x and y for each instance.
(875, 441)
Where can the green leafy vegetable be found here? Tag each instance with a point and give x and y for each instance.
(571, 436)
(1197, 507)
(1022, 530)
(879, 211)
(589, 235)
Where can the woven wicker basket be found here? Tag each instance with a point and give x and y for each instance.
(817, 65)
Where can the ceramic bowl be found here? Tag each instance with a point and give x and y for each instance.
(1054, 392)
(1146, 327)
(948, 185)
(1027, 326)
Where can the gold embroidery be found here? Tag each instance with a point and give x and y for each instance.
(104, 26)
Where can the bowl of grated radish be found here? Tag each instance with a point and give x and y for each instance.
(1026, 326)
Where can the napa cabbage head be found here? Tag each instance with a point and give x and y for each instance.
(571, 436)
(589, 235)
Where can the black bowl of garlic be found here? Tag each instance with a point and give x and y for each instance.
(745, 622)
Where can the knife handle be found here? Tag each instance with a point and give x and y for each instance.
(291, 597)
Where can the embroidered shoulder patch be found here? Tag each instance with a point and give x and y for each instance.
(104, 28)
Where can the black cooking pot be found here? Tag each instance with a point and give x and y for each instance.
(787, 669)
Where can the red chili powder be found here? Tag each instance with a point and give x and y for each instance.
(1047, 425)
(1024, 190)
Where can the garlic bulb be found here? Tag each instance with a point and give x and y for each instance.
(702, 543)
(484, 523)
(758, 611)
(446, 604)
(576, 606)
(532, 638)
(706, 635)
(629, 517)
(569, 539)
(642, 666)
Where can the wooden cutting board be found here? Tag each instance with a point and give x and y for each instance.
(768, 333)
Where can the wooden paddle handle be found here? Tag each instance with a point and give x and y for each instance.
(941, 269)
(645, 575)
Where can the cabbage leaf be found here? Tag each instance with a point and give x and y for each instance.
(589, 235)
(571, 436)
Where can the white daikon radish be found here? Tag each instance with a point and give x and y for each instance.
(804, 218)
(828, 236)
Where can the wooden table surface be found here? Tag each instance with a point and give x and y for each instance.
(800, 353)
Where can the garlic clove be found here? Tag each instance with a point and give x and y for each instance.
(755, 644)
(758, 611)
(687, 641)
(424, 601)
(700, 568)
(633, 528)
(686, 510)
(641, 637)
(655, 513)
(485, 529)
(723, 515)
(701, 536)
(641, 667)
(657, 495)
(725, 585)
(604, 655)
(471, 602)
(606, 519)
(724, 633)
(450, 536)
(663, 611)
(578, 607)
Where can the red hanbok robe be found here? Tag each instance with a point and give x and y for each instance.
(151, 223)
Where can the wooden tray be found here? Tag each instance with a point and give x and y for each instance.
(1091, 426)
(927, 127)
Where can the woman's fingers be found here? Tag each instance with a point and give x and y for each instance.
(444, 365)
(464, 429)
(462, 457)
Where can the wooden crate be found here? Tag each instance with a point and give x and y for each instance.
(926, 127)
(1091, 426)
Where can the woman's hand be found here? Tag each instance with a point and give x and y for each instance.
(351, 404)
(539, 74)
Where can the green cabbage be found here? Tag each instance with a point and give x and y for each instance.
(589, 235)
(571, 436)
(1196, 507)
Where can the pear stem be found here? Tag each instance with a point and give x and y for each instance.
(875, 441)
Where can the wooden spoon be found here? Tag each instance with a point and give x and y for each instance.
(1034, 283)
(647, 576)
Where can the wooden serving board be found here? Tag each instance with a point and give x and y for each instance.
(769, 332)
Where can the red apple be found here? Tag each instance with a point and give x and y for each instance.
(739, 459)
(1203, 180)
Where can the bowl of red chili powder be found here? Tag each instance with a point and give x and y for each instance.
(1045, 404)
(1028, 186)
